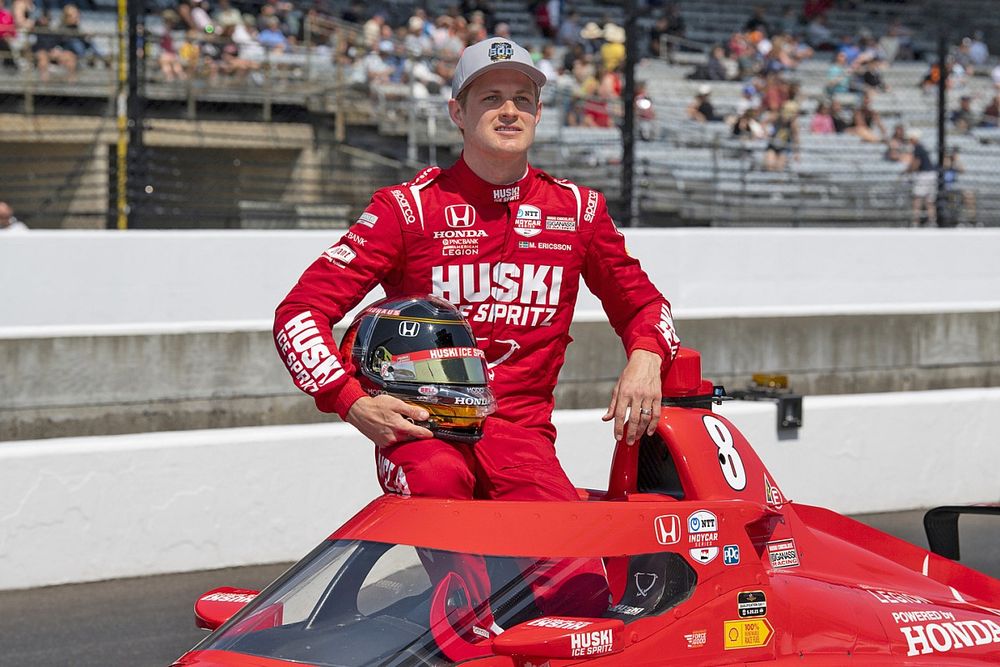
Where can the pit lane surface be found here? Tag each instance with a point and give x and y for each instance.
(148, 622)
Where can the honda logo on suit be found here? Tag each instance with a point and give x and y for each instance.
(460, 216)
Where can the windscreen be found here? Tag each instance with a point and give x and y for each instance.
(449, 365)
(354, 603)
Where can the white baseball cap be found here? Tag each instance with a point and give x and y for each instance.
(489, 54)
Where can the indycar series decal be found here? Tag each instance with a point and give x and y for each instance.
(704, 555)
(751, 633)
(782, 554)
(703, 528)
(528, 221)
(751, 604)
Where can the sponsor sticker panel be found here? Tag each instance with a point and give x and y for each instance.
(782, 554)
(748, 633)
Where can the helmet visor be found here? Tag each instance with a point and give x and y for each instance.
(446, 365)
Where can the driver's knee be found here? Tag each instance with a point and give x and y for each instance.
(441, 475)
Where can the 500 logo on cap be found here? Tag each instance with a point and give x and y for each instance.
(501, 51)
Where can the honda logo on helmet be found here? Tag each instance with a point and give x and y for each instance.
(409, 329)
(668, 529)
(460, 216)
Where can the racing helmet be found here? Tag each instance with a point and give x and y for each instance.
(419, 349)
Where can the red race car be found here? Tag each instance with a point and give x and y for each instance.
(707, 562)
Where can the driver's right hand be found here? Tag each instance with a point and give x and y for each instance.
(385, 420)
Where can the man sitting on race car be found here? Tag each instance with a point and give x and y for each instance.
(507, 244)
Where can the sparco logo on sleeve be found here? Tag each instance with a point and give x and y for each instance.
(404, 206)
(591, 210)
(526, 294)
(306, 355)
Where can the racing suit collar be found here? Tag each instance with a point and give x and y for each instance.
(474, 187)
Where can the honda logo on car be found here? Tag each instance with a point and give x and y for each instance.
(594, 642)
(668, 529)
(306, 355)
(949, 635)
(460, 216)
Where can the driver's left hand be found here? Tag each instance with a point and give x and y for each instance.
(638, 389)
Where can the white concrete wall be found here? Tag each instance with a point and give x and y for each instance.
(99, 278)
(82, 509)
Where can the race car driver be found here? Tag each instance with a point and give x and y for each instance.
(507, 244)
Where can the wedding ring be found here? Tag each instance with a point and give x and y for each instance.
(646, 411)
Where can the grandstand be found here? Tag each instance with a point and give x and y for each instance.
(296, 141)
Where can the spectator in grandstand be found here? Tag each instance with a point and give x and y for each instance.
(271, 37)
(963, 118)
(991, 114)
(838, 77)
(812, 9)
(924, 180)
(48, 50)
(701, 109)
(169, 59)
(669, 24)
(869, 75)
(417, 42)
(569, 30)
(897, 145)
(784, 136)
(979, 53)
(840, 125)
(371, 31)
(848, 48)
(897, 42)
(747, 125)
(748, 99)
(229, 62)
(954, 195)
(73, 39)
(774, 93)
(818, 35)
(717, 68)
(8, 32)
(821, 121)
(995, 75)
(546, 13)
(645, 113)
(200, 18)
(226, 14)
(486, 9)
(613, 48)
(8, 223)
(866, 121)
(592, 37)
(547, 62)
(758, 22)
(790, 23)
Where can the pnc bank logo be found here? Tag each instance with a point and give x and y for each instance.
(668, 529)
(460, 216)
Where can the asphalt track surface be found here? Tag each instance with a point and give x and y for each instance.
(148, 621)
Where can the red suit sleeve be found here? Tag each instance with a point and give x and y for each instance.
(331, 286)
(638, 312)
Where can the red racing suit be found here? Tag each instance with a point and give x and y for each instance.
(509, 257)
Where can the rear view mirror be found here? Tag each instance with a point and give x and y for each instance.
(217, 606)
(562, 638)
